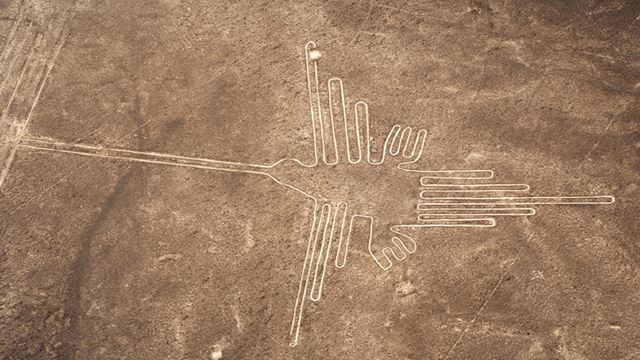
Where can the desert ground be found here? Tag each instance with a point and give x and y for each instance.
(106, 258)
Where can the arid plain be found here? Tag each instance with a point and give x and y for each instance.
(105, 258)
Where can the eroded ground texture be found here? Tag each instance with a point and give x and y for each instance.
(108, 259)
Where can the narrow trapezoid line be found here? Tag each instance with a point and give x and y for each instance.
(479, 311)
(141, 156)
(12, 152)
(140, 159)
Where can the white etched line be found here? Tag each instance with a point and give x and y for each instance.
(12, 150)
(141, 156)
(405, 135)
(11, 38)
(24, 86)
(396, 138)
(453, 174)
(399, 141)
(294, 332)
(318, 274)
(418, 144)
(349, 237)
(332, 126)
(400, 243)
(311, 46)
(468, 222)
(367, 130)
(307, 274)
(343, 244)
(12, 63)
(348, 140)
(154, 158)
(426, 187)
(316, 120)
(482, 307)
(49, 66)
(427, 212)
(61, 41)
(444, 205)
(397, 252)
(522, 200)
(336, 218)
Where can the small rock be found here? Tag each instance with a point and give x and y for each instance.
(216, 353)
(172, 257)
(474, 155)
(537, 275)
(314, 55)
(405, 288)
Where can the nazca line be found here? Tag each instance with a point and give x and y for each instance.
(329, 222)
(46, 62)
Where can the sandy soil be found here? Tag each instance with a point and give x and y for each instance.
(108, 259)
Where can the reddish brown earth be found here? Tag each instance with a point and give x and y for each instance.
(104, 259)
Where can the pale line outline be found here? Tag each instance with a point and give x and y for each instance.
(435, 212)
(451, 188)
(392, 145)
(58, 44)
(519, 200)
(396, 143)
